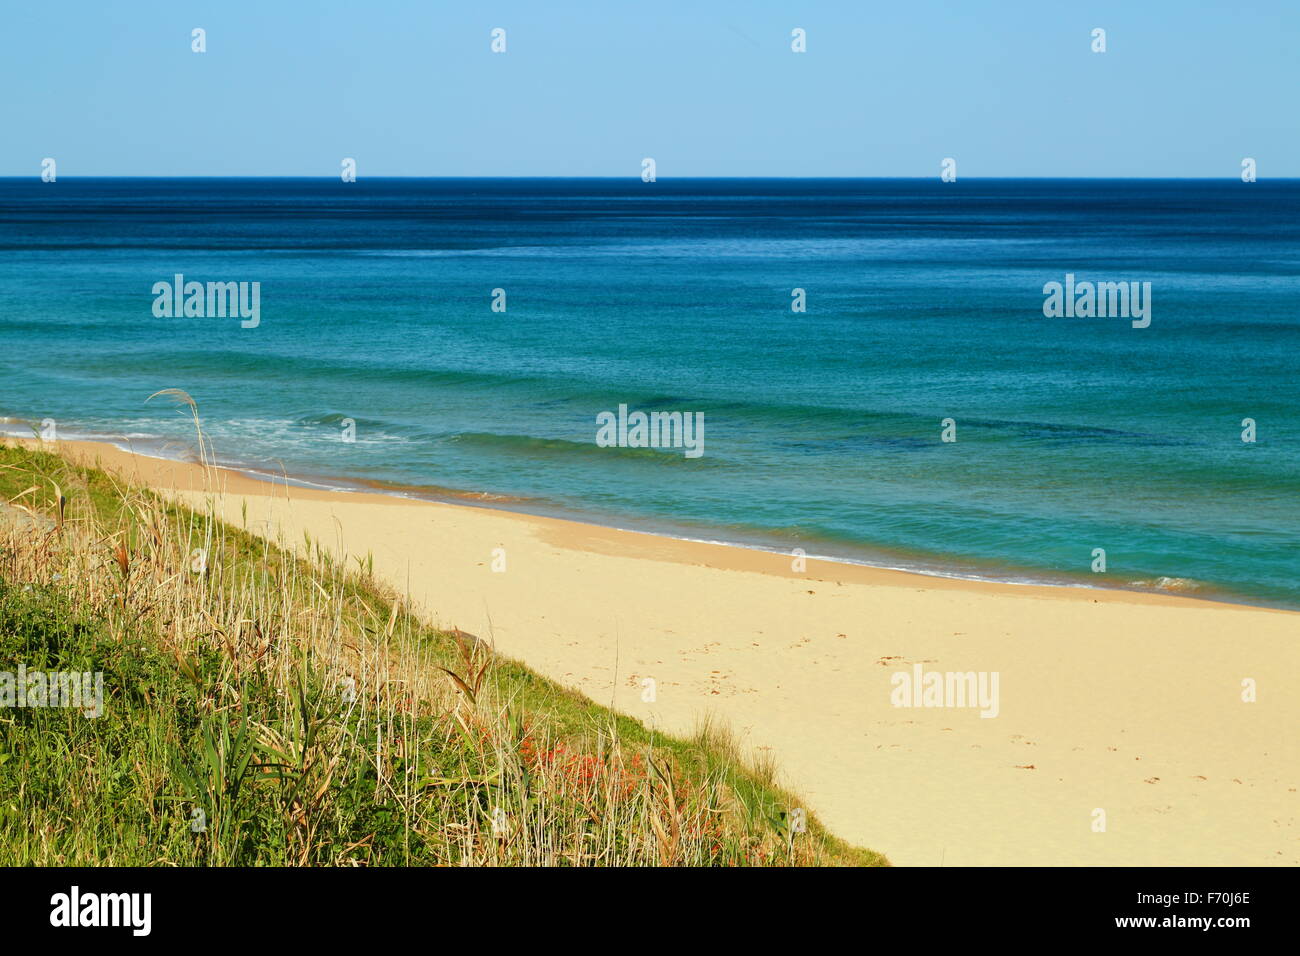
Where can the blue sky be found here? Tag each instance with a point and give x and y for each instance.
(408, 88)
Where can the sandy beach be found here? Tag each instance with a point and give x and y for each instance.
(1113, 701)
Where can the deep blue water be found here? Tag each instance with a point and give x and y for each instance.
(822, 429)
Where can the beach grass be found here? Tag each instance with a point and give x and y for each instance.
(266, 704)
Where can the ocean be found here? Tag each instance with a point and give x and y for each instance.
(823, 429)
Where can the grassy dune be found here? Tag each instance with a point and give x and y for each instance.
(264, 705)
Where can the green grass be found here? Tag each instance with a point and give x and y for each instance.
(264, 707)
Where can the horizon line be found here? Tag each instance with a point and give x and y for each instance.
(637, 178)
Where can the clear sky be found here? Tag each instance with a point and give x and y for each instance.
(411, 88)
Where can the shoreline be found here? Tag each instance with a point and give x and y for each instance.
(1115, 700)
(344, 485)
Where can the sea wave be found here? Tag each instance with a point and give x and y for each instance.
(1171, 585)
(561, 448)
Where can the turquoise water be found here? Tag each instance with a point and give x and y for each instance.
(822, 429)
